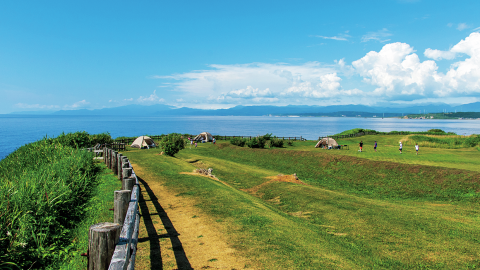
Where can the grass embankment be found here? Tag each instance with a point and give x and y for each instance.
(349, 213)
(46, 197)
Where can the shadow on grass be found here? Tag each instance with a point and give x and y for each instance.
(154, 237)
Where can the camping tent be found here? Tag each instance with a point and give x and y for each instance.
(326, 142)
(204, 136)
(143, 142)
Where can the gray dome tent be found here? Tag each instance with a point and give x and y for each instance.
(204, 136)
(326, 142)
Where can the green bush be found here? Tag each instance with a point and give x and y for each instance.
(257, 142)
(238, 141)
(172, 144)
(276, 142)
(81, 139)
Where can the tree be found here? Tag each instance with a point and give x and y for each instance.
(172, 144)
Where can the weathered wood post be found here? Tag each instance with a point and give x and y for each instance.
(105, 154)
(124, 165)
(107, 162)
(110, 154)
(120, 205)
(128, 183)
(119, 166)
(114, 162)
(102, 238)
(126, 172)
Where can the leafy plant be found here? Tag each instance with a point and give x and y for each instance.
(172, 144)
(257, 142)
(276, 142)
(238, 141)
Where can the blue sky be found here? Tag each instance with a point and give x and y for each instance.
(64, 55)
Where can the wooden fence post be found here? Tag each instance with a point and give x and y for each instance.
(128, 183)
(119, 166)
(109, 156)
(105, 155)
(102, 238)
(126, 172)
(114, 163)
(125, 164)
(120, 205)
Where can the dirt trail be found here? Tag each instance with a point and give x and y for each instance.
(174, 234)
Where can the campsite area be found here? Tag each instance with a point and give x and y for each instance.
(301, 207)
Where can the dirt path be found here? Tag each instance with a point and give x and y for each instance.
(174, 234)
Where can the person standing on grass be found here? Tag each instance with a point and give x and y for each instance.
(195, 144)
(361, 145)
(401, 146)
(416, 148)
(375, 146)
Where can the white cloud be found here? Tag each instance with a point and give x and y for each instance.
(256, 82)
(462, 26)
(77, 105)
(341, 36)
(380, 36)
(152, 99)
(438, 55)
(464, 76)
(476, 29)
(397, 71)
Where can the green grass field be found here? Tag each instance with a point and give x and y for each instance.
(354, 210)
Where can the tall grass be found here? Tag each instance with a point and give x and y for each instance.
(448, 142)
(43, 191)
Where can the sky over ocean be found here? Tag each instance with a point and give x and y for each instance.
(68, 55)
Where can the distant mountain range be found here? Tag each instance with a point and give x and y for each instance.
(300, 110)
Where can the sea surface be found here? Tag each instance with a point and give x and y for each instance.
(18, 130)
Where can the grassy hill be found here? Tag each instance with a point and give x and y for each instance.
(347, 210)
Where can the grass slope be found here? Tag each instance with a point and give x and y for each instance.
(351, 212)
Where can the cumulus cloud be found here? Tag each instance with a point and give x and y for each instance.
(464, 76)
(438, 54)
(380, 36)
(397, 71)
(258, 82)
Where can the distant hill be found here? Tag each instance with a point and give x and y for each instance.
(301, 110)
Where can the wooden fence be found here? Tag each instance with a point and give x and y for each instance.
(113, 246)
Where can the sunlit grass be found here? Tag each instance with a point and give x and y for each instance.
(357, 210)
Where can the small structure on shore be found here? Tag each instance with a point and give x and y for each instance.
(204, 136)
(143, 142)
(326, 143)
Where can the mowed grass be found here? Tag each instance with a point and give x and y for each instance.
(387, 150)
(354, 211)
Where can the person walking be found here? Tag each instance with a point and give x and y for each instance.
(375, 146)
(416, 148)
(361, 145)
(401, 146)
(195, 144)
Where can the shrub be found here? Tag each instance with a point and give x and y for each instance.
(238, 141)
(172, 144)
(276, 142)
(101, 138)
(257, 142)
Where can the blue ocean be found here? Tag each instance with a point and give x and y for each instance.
(17, 130)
